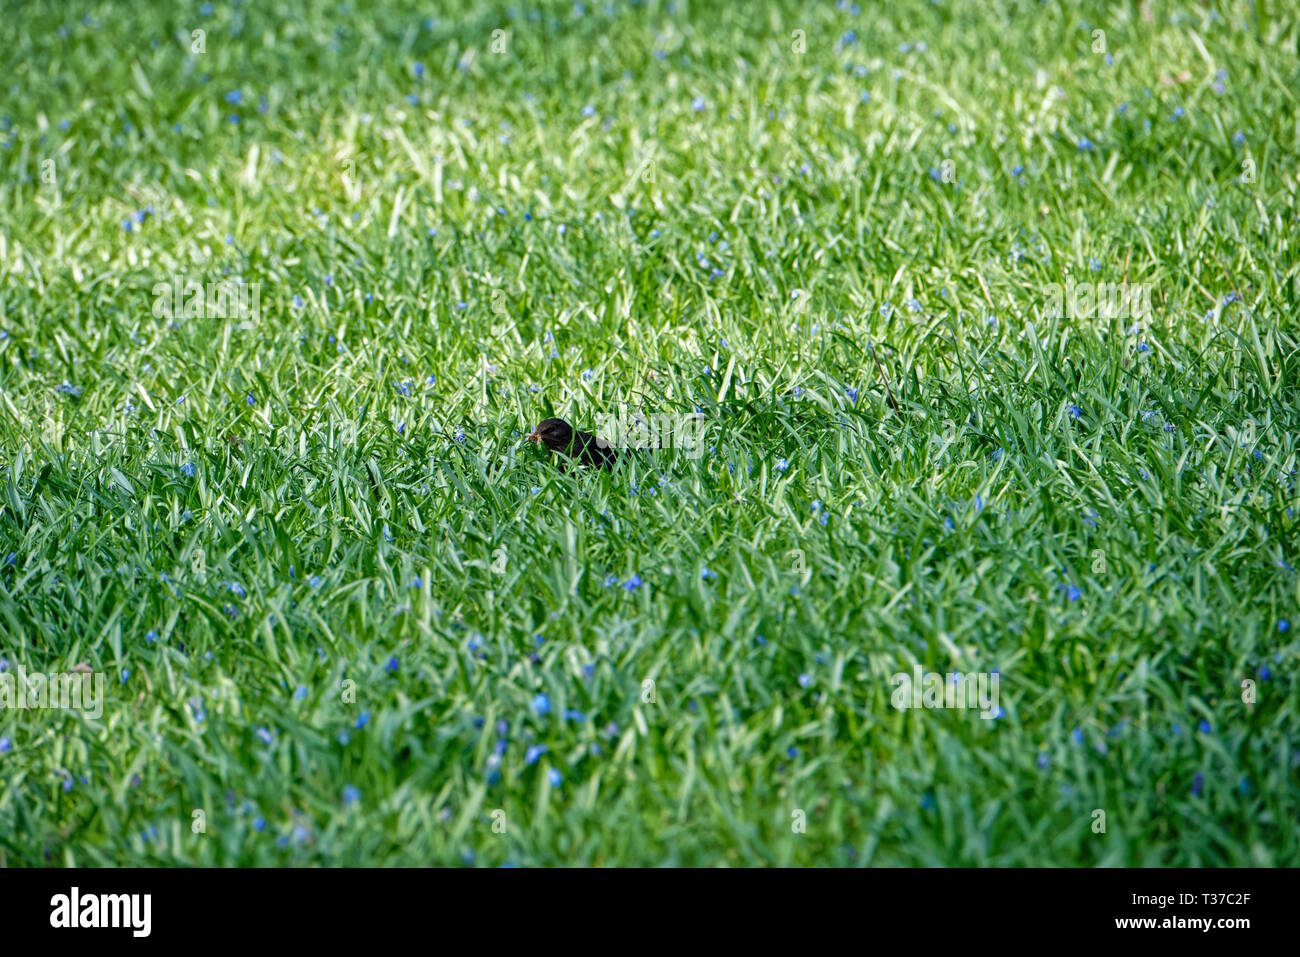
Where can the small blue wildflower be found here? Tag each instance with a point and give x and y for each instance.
(542, 704)
(351, 794)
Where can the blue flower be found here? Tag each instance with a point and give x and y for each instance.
(188, 469)
(554, 778)
(588, 110)
(542, 704)
(1077, 734)
(265, 735)
(1085, 145)
(1197, 783)
(699, 104)
(805, 680)
(351, 795)
(233, 97)
(533, 753)
(362, 720)
(633, 583)
(1042, 760)
(572, 714)
(708, 575)
(852, 393)
(6, 745)
(392, 665)
(1283, 625)
(782, 465)
(418, 69)
(1075, 411)
(1204, 727)
(299, 693)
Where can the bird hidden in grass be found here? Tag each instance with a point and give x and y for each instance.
(558, 436)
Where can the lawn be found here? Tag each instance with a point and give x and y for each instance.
(342, 613)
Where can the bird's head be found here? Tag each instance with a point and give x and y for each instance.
(555, 434)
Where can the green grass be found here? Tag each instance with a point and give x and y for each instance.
(1102, 510)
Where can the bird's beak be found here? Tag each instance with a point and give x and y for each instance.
(532, 437)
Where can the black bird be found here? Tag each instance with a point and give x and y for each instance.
(558, 436)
